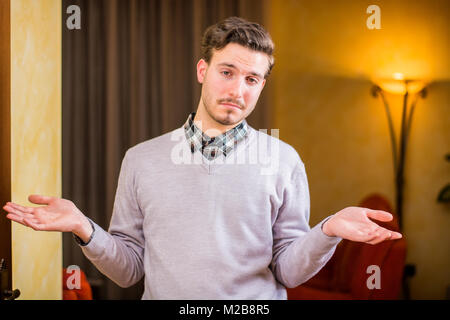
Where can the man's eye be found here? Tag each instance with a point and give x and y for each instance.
(252, 80)
(226, 73)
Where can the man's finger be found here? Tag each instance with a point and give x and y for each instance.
(10, 209)
(379, 215)
(20, 213)
(15, 218)
(386, 235)
(15, 206)
(38, 199)
(395, 235)
(390, 235)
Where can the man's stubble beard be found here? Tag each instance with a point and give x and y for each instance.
(225, 122)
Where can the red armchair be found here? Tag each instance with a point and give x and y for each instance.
(345, 276)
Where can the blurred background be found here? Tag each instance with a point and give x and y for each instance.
(128, 75)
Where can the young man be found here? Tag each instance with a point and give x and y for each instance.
(194, 213)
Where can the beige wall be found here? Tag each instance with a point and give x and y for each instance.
(36, 140)
(320, 92)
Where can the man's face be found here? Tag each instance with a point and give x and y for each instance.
(232, 83)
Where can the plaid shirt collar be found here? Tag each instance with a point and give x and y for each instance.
(212, 147)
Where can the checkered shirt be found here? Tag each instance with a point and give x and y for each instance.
(211, 148)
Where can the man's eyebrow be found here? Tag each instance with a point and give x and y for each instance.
(230, 65)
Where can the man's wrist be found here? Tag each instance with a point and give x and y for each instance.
(326, 228)
(84, 230)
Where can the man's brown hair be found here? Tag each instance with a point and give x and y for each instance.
(237, 30)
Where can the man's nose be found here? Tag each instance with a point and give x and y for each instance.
(236, 90)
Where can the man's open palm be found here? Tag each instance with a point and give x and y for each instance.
(57, 214)
(353, 224)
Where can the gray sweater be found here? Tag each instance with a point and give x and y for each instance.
(232, 228)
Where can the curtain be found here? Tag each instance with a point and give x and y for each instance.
(129, 74)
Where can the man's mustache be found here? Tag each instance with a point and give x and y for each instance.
(241, 105)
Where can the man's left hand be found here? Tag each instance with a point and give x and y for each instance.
(353, 224)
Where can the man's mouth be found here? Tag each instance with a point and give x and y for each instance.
(230, 104)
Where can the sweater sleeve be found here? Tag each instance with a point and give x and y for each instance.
(299, 252)
(118, 253)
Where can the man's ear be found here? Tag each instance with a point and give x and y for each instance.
(202, 65)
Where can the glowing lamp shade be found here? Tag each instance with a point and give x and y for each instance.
(397, 84)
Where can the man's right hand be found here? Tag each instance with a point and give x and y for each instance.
(56, 215)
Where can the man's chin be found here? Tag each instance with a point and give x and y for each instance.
(228, 120)
(228, 116)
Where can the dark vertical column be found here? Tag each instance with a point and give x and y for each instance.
(5, 133)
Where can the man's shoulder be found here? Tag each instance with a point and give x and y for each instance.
(156, 145)
(270, 139)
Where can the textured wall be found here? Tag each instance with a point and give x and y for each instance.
(36, 140)
(320, 92)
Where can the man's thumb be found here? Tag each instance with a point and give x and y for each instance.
(38, 199)
(379, 215)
